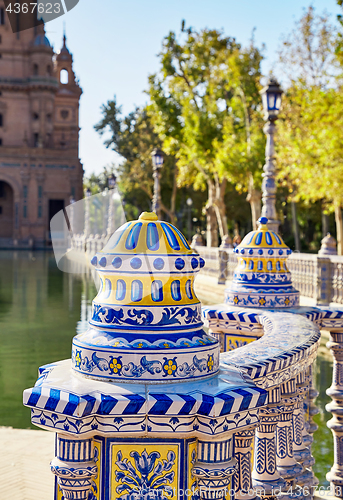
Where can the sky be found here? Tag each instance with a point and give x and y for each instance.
(115, 45)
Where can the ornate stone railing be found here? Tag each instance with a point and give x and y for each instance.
(89, 245)
(315, 276)
(276, 350)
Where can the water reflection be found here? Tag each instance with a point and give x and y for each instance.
(41, 308)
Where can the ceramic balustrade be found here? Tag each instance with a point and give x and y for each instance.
(301, 438)
(266, 479)
(335, 476)
(278, 414)
(312, 408)
(287, 465)
(243, 454)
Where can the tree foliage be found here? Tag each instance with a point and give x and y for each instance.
(205, 109)
(310, 130)
(134, 139)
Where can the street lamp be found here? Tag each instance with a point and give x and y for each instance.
(271, 100)
(189, 202)
(157, 162)
(112, 181)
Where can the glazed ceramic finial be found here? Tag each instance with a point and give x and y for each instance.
(262, 278)
(146, 320)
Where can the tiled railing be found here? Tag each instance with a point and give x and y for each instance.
(280, 361)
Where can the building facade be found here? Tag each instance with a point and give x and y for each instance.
(40, 170)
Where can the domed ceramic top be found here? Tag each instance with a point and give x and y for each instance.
(146, 319)
(262, 278)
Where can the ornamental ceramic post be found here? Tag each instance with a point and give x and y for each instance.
(262, 278)
(335, 476)
(142, 410)
(306, 479)
(287, 466)
(243, 455)
(266, 479)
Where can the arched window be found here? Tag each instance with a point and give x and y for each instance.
(35, 69)
(64, 76)
(1, 120)
(48, 70)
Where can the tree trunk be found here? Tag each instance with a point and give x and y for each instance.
(339, 229)
(295, 227)
(254, 198)
(211, 219)
(220, 208)
(325, 224)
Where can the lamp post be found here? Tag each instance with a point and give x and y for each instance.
(271, 100)
(189, 202)
(111, 181)
(157, 162)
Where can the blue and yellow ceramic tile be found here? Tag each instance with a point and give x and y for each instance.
(145, 470)
(191, 455)
(262, 278)
(97, 481)
(147, 235)
(148, 290)
(234, 341)
(145, 308)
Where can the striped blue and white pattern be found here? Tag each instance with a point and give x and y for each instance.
(214, 452)
(151, 401)
(197, 403)
(74, 450)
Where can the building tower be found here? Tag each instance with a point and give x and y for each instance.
(40, 168)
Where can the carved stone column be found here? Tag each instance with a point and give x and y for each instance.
(266, 478)
(74, 466)
(335, 476)
(214, 468)
(287, 466)
(242, 478)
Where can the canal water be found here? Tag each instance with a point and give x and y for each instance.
(41, 308)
